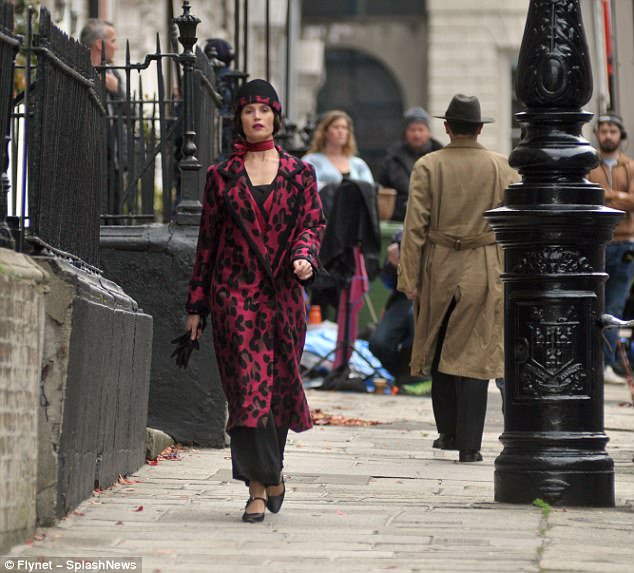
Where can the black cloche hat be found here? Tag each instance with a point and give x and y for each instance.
(257, 91)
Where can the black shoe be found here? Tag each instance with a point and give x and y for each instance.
(274, 502)
(445, 442)
(253, 517)
(470, 456)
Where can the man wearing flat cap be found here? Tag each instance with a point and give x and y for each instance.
(450, 266)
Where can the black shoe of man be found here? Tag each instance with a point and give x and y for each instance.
(466, 456)
(445, 442)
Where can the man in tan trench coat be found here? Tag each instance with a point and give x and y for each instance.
(450, 266)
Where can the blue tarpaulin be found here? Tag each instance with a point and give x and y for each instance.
(321, 341)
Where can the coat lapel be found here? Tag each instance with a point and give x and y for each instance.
(285, 205)
(242, 208)
(270, 244)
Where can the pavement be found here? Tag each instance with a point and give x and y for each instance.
(359, 499)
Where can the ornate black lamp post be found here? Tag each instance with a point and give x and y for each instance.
(553, 229)
(189, 207)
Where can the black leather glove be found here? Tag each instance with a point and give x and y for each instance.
(185, 345)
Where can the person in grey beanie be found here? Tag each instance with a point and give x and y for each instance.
(396, 166)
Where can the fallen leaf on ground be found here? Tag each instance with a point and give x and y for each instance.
(125, 481)
(119, 523)
(321, 418)
(138, 508)
(80, 513)
(170, 453)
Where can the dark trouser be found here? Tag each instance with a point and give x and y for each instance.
(257, 454)
(391, 342)
(459, 403)
(617, 289)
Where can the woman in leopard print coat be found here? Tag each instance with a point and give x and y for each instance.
(259, 238)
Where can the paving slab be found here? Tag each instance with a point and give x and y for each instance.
(359, 499)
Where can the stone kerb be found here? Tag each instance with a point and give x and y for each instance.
(95, 384)
(22, 285)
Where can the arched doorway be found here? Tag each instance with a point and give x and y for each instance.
(364, 88)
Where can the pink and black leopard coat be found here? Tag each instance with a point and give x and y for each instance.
(243, 275)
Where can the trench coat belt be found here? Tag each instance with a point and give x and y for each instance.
(461, 243)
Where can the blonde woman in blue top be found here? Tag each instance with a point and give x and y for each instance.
(333, 151)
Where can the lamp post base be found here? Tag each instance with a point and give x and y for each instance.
(571, 469)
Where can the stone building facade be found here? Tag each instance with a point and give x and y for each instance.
(430, 49)
(471, 46)
(473, 49)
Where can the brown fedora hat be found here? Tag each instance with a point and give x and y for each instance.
(465, 109)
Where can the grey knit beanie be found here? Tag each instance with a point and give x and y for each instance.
(415, 115)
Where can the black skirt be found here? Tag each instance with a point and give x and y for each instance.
(257, 454)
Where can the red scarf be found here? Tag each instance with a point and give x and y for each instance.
(261, 145)
(240, 146)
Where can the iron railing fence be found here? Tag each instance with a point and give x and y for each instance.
(142, 130)
(73, 156)
(65, 134)
(9, 45)
(54, 171)
(144, 137)
(207, 102)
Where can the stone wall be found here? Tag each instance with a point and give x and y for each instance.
(154, 264)
(21, 339)
(95, 384)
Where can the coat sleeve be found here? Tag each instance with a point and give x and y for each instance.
(383, 173)
(400, 205)
(311, 222)
(199, 285)
(415, 229)
(365, 174)
(623, 199)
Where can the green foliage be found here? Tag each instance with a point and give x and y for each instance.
(22, 14)
(544, 505)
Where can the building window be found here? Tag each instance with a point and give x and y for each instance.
(350, 9)
(93, 8)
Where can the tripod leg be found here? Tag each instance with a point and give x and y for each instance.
(342, 329)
